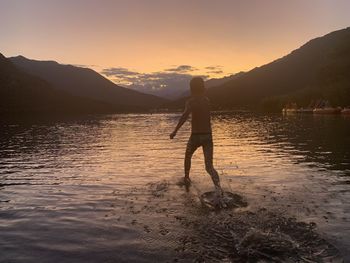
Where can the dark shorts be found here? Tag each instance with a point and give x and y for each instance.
(200, 139)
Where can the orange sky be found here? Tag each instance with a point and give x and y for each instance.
(152, 35)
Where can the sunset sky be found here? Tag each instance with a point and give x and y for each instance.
(133, 37)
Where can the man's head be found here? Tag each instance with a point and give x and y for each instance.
(197, 86)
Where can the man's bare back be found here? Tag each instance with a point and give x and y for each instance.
(200, 109)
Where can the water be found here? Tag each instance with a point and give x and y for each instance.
(80, 189)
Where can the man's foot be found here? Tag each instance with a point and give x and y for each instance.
(219, 198)
(219, 192)
(185, 181)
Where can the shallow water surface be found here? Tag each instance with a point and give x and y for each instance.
(87, 189)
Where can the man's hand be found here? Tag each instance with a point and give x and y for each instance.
(181, 121)
(172, 135)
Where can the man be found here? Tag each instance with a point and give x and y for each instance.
(201, 134)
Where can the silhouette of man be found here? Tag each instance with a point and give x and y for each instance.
(201, 134)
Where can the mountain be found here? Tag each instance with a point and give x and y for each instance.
(22, 93)
(214, 82)
(86, 82)
(318, 69)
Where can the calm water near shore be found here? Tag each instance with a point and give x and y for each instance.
(85, 189)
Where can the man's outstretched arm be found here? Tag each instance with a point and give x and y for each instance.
(182, 120)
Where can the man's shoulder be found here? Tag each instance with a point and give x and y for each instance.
(206, 99)
(190, 101)
(195, 100)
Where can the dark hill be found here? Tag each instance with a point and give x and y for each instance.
(23, 93)
(85, 82)
(318, 69)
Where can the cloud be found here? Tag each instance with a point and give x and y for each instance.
(82, 65)
(182, 69)
(119, 72)
(214, 69)
(169, 83)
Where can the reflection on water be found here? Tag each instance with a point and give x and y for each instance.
(65, 184)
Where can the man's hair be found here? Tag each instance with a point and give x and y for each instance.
(197, 86)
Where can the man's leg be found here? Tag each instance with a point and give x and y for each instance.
(208, 150)
(190, 149)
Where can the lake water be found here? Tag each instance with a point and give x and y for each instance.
(83, 189)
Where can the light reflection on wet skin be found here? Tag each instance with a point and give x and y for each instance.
(68, 181)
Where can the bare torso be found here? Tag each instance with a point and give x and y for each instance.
(200, 110)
